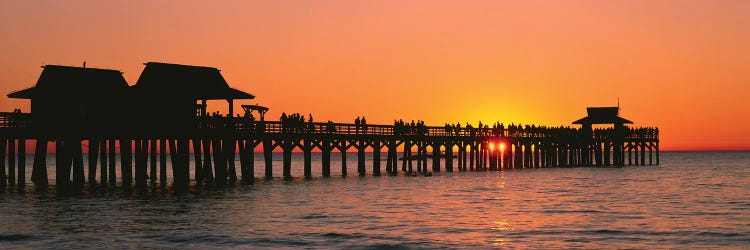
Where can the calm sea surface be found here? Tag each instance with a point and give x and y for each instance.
(693, 200)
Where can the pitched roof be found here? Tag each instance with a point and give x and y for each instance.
(73, 82)
(194, 82)
(602, 115)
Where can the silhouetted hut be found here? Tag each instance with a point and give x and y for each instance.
(73, 99)
(602, 115)
(167, 95)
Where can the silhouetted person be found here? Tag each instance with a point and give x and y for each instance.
(283, 121)
(364, 125)
(356, 125)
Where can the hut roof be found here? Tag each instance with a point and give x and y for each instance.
(73, 82)
(195, 82)
(602, 115)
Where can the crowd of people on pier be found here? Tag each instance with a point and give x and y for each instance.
(413, 128)
(296, 123)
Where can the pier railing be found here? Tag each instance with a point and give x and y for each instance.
(15, 120)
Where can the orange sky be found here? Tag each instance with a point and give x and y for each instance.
(681, 65)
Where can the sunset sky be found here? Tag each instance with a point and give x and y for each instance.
(683, 66)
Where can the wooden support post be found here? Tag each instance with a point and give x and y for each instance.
(112, 163)
(518, 160)
(506, 155)
(180, 152)
(62, 177)
(394, 157)
(527, 155)
(376, 157)
(183, 153)
(643, 153)
(404, 158)
(326, 157)
(536, 155)
(103, 163)
(493, 158)
(460, 157)
(488, 154)
(571, 155)
(12, 162)
(243, 161)
(163, 163)
(481, 152)
(598, 151)
(79, 179)
(389, 160)
(503, 159)
(419, 156)
(464, 155)
(220, 163)
(126, 163)
(93, 160)
(650, 154)
(207, 174)
(3, 151)
(361, 157)
(246, 153)
(141, 164)
(424, 156)
(449, 157)
(21, 163)
(307, 152)
(268, 157)
(287, 146)
(343, 158)
(409, 158)
(152, 152)
(542, 155)
(630, 154)
(39, 171)
(606, 154)
(435, 156)
(472, 156)
(230, 150)
(175, 163)
(197, 153)
(657, 153)
(250, 151)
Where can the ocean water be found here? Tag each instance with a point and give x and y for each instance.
(692, 200)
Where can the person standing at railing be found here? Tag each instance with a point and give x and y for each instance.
(283, 121)
(310, 126)
(356, 125)
(364, 125)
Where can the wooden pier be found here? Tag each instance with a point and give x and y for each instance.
(215, 148)
(145, 140)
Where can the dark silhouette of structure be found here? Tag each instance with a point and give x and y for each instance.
(164, 113)
(167, 95)
(72, 99)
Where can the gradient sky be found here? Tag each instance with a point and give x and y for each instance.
(683, 66)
